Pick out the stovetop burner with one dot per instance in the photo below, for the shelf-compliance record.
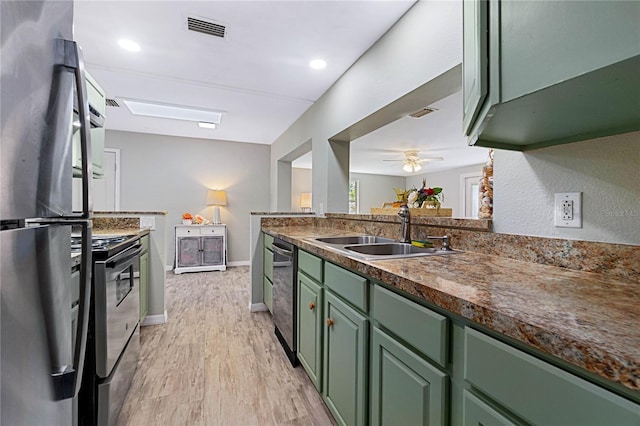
(104, 246)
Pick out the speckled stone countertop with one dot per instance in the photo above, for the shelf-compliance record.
(586, 319)
(121, 231)
(133, 212)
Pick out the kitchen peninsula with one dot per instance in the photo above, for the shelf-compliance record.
(576, 315)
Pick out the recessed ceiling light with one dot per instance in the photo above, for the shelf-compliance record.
(318, 64)
(176, 112)
(129, 45)
(205, 125)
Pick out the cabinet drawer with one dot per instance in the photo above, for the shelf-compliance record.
(187, 230)
(537, 392)
(352, 287)
(420, 327)
(212, 231)
(268, 240)
(310, 265)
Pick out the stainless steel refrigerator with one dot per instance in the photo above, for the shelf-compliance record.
(43, 102)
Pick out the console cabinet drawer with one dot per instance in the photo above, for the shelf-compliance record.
(310, 265)
(420, 327)
(538, 392)
(351, 287)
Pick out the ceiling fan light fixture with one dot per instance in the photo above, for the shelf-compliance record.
(411, 167)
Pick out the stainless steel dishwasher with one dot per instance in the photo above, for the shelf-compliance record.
(284, 296)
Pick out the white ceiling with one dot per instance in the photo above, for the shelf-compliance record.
(258, 75)
(438, 134)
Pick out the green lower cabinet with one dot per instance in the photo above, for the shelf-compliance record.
(405, 389)
(537, 392)
(310, 326)
(144, 285)
(345, 362)
(476, 413)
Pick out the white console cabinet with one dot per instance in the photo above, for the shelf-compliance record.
(201, 248)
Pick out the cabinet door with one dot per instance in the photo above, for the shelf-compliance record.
(345, 361)
(268, 264)
(310, 328)
(188, 251)
(405, 389)
(476, 413)
(475, 75)
(212, 251)
(267, 293)
(144, 285)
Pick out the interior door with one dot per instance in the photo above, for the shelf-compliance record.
(106, 191)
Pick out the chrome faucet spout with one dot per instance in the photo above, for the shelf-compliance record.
(405, 215)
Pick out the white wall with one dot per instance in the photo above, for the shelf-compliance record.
(449, 181)
(300, 182)
(376, 189)
(605, 170)
(174, 173)
(423, 44)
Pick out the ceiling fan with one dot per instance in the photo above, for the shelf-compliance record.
(412, 161)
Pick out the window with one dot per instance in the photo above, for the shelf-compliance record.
(354, 197)
(469, 187)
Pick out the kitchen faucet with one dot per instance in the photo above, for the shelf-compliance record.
(405, 215)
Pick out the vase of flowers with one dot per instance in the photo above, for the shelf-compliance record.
(425, 197)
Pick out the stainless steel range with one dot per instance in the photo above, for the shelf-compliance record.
(113, 341)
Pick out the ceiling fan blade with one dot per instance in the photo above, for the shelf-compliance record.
(430, 159)
(393, 160)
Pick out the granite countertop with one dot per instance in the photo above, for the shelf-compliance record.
(133, 212)
(586, 319)
(121, 231)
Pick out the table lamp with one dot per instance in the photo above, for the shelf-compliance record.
(216, 197)
(305, 201)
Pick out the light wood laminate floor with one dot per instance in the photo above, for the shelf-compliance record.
(215, 363)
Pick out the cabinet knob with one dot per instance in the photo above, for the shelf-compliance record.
(312, 306)
(329, 322)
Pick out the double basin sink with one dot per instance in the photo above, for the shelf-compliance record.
(371, 247)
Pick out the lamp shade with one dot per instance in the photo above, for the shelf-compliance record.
(216, 197)
(305, 200)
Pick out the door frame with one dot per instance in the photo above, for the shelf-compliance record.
(116, 182)
(463, 190)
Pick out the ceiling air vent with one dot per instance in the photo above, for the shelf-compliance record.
(422, 112)
(206, 27)
(112, 103)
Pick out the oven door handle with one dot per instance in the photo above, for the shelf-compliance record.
(121, 260)
(281, 251)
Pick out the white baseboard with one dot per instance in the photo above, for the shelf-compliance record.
(230, 264)
(154, 319)
(257, 307)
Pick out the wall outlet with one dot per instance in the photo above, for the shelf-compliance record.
(568, 210)
(148, 222)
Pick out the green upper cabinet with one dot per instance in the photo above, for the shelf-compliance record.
(97, 101)
(345, 362)
(538, 73)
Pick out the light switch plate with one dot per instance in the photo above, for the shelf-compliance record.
(568, 210)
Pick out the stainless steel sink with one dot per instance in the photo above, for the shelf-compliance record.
(359, 239)
(395, 250)
(370, 247)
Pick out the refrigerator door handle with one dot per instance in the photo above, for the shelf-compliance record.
(72, 58)
(67, 380)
